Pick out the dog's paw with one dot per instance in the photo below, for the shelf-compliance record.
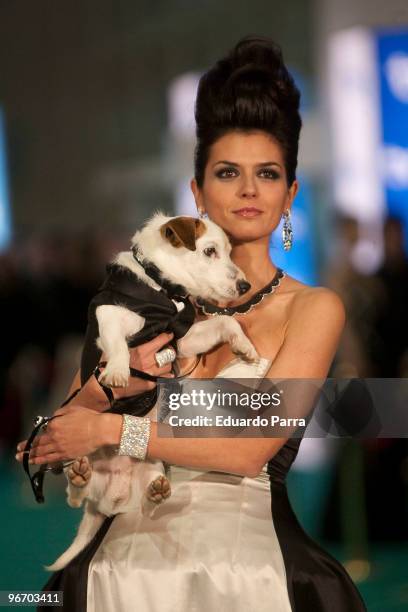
(159, 489)
(240, 345)
(115, 375)
(80, 472)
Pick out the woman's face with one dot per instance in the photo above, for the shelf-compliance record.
(245, 188)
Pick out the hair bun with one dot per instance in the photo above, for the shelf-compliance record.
(249, 71)
(249, 80)
(256, 65)
(258, 51)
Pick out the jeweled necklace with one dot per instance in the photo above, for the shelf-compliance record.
(210, 309)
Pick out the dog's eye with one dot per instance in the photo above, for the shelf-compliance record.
(210, 251)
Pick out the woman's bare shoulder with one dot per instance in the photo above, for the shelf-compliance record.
(307, 297)
(313, 325)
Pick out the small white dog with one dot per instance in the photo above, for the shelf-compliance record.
(185, 256)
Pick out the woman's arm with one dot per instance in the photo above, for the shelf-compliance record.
(316, 323)
(313, 333)
(89, 396)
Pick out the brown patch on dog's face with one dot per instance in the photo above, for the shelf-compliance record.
(183, 231)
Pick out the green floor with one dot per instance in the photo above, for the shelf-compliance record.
(33, 535)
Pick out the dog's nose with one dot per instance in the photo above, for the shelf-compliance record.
(243, 286)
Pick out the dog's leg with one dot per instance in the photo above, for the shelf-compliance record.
(204, 335)
(116, 323)
(159, 489)
(153, 486)
(78, 475)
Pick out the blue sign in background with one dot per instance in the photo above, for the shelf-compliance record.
(392, 52)
(5, 222)
(300, 260)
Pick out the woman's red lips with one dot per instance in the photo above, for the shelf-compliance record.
(248, 211)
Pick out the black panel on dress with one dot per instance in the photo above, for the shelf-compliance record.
(73, 578)
(316, 581)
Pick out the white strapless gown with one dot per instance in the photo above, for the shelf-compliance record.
(220, 543)
(211, 547)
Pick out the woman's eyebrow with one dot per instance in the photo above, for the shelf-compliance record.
(260, 165)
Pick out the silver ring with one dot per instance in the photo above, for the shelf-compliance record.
(167, 355)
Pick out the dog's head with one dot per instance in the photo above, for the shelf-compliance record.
(195, 253)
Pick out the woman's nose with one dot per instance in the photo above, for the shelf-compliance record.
(248, 188)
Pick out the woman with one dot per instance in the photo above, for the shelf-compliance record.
(227, 538)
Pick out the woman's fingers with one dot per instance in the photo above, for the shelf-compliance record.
(164, 371)
(143, 357)
(21, 445)
(153, 346)
(75, 434)
(42, 453)
(43, 439)
(19, 456)
(45, 435)
(50, 457)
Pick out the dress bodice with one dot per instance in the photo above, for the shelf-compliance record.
(239, 368)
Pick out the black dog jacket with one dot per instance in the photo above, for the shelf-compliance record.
(124, 288)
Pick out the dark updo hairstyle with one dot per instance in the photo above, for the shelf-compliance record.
(249, 89)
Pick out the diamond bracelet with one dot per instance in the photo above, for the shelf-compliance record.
(135, 436)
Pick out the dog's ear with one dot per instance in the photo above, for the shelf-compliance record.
(183, 231)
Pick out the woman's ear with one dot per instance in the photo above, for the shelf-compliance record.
(293, 189)
(196, 193)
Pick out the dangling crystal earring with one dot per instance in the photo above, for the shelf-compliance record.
(202, 215)
(287, 233)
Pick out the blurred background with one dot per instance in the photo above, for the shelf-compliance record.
(97, 132)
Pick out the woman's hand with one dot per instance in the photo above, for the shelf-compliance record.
(81, 428)
(77, 431)
(142, 357)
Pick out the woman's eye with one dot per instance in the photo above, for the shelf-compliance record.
(270, 174)
(226, 173)
(209, 251)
